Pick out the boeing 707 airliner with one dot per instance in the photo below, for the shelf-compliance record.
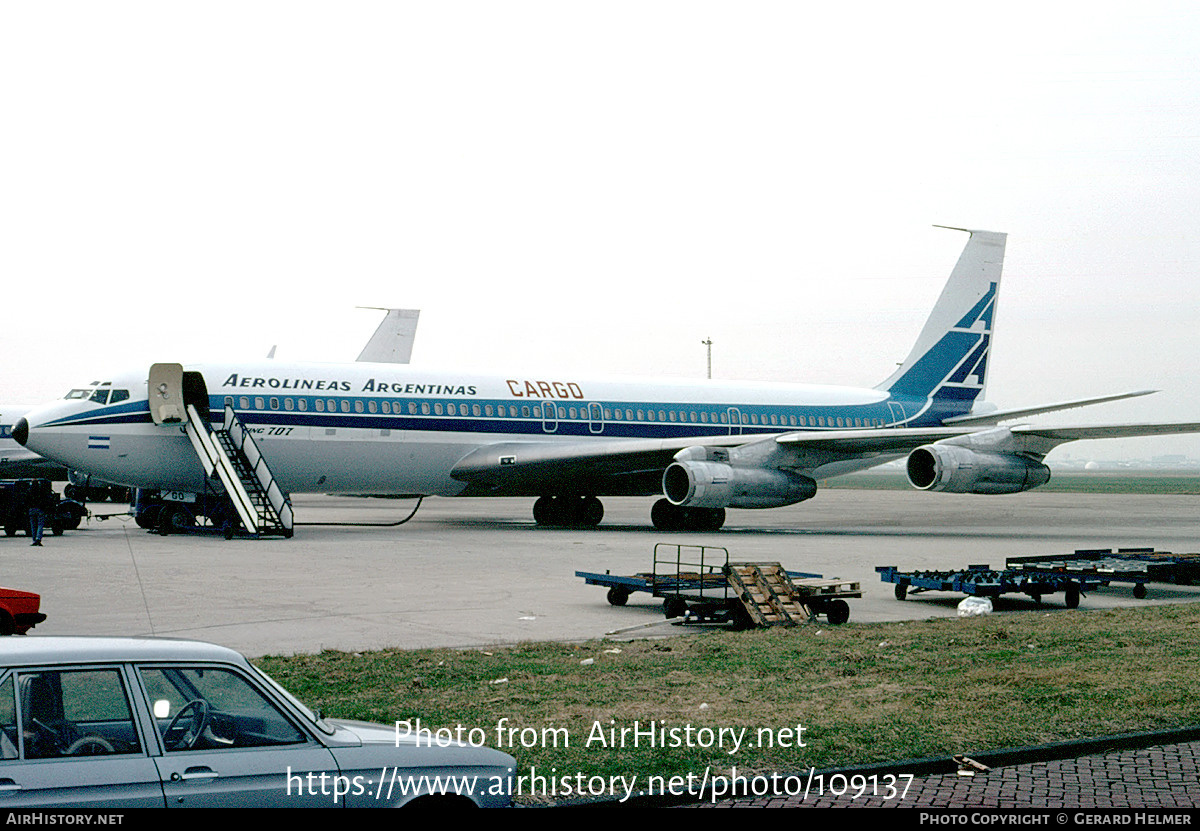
(566, 441)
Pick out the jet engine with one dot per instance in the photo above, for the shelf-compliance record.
(702, 484)
(954, 469)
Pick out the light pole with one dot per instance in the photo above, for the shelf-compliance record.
(708, 342)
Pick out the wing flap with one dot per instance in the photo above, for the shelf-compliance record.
(862, 442)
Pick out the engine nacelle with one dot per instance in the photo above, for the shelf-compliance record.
(954, 469)
(695, 484)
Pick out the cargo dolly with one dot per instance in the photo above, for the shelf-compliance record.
(984, 581)
(699, 584)
(1138, 566)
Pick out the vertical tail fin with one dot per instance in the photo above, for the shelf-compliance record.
(947, 366)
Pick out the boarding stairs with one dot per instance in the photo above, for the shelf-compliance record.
(231, 453)
(767, 592)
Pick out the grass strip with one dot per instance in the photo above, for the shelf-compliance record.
(861, 692)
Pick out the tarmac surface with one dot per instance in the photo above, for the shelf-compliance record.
(478, 572)
(469, 573)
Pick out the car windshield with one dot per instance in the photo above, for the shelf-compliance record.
(313, 717)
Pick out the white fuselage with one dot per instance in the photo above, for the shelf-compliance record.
(383, 428)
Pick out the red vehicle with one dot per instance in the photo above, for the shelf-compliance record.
(19, 611)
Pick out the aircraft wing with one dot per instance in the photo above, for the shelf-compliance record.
(1027, 438)
(634, 467)
(522, 468)
(989, 419)
(1044, 439)
(822, 448)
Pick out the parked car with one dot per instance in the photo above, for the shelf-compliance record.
(17, 496)
(19, 611)
(144, 722)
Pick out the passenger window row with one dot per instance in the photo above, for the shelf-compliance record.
(560, 412)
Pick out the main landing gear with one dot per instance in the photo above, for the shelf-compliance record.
(568, 511)
(668, 517)
(579, 511)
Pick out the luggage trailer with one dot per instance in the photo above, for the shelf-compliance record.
(700, 585)
(984, 581)
(1073, 574)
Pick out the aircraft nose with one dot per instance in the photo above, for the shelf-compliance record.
(20, 431)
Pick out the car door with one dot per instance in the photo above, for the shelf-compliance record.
(68, 739)
(227, 743)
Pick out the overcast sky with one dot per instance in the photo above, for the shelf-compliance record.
(594, 188)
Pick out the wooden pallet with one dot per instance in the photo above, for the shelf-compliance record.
(768, 594)
(820, 587)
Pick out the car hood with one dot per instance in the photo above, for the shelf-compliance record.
(380, 741)
(365, 732)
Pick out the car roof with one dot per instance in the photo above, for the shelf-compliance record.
(38, 649)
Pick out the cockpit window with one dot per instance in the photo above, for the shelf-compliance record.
(98, 394)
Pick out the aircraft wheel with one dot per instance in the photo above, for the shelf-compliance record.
(669, 517)
(665, 516)
(591, 511)
(547, 512)
(712, 519)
